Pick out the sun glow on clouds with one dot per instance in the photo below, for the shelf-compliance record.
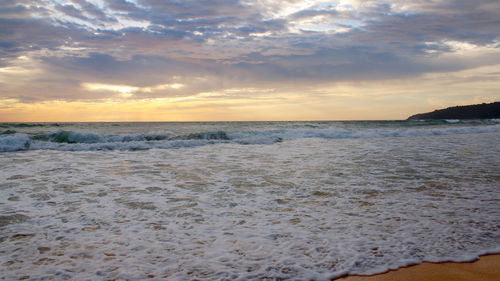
(466, 48)
(346, 100)
(128, 91)
(108, 87)
(19, 71)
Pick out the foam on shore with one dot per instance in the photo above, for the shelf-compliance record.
(305, 208)
(486, 268)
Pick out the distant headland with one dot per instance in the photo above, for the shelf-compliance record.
(477, 111)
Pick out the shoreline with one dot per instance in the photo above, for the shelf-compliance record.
(484, 268)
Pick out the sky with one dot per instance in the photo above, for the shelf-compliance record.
(230, 60)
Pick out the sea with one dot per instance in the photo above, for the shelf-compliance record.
(244, 200)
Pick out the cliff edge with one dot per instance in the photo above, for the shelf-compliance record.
(477, 111)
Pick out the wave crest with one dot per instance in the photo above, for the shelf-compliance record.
(76, 140)
(14, 142)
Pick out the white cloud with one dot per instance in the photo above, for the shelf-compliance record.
(127, 90)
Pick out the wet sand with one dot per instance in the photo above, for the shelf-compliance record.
(487, 268)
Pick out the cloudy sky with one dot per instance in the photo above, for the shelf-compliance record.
(174, 60)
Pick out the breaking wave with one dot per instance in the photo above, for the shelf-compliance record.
(11, 140)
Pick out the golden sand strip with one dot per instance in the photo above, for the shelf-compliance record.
(487, 268)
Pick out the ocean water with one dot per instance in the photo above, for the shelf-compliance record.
(244, 200)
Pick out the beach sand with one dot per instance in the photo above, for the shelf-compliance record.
(487, 268)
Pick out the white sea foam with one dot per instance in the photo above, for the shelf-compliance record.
(314, 206)
(14, 142)
(81, 141)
